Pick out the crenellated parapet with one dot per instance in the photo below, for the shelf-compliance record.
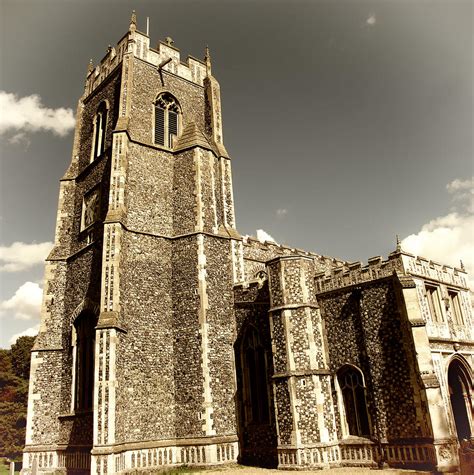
(137, 44)
(256, 254)
(356, 273)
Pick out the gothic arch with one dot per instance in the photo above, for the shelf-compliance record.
(83, 323)
(86, 305)
(459, 379)
(351, 386)
(167, 119)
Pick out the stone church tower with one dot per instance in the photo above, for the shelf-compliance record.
(137, 330)
(168, 339)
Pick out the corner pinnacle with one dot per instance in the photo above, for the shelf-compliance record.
(90, 67)
(399, 244)
(207, 59)
(133, 21)
(462, 265)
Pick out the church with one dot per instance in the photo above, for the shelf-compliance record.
(169, 339)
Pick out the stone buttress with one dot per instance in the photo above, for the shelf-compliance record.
(301, 380)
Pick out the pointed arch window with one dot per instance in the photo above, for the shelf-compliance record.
(167, 120)
(100, 129)
(351, 383)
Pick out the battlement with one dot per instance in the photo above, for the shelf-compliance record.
(356, 273)
(165, 56)
(275, 250)
(397, 262)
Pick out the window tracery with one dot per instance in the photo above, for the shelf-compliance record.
(167, 119)
(351, 383)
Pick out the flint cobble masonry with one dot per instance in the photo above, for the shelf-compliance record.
(169, 339)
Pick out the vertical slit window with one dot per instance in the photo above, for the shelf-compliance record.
(100, 129)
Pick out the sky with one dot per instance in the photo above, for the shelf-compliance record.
(348, 122)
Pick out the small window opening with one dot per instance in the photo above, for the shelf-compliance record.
(100, 129)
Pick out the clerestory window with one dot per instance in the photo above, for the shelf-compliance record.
(100, 129)
(167, 120)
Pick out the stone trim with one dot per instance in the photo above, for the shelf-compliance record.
(293, 306)
(159, 457)
(178, 442)
(143, 233)
(307, 372)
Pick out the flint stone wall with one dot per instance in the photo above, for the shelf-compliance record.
(364, 328)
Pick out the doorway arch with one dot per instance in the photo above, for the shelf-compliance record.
(460, 394)
(256, 424)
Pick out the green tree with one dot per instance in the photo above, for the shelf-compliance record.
(21, 356)
(14, 374)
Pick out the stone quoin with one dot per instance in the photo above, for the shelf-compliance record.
(168, 339)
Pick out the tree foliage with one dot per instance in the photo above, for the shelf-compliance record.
(14, 374)
(21, 356)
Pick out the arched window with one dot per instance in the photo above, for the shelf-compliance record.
(167, 119)
(351, 382)
(84, 328)
(460, 395)
(100, 128)
(255, 391)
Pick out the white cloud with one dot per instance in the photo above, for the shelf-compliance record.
(21, 256)
(449, 239)
(263, 236)
(458, 184)
(372, 20)
(25, 304)
(28, 114)
(462, 192)
(32, 331)
(280, 212)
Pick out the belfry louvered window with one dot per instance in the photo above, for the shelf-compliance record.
(100, 128)
(167, 120)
